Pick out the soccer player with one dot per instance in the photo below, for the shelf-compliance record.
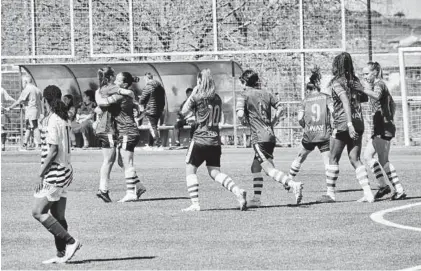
(315, 116)
(5, 97)
(31, 96)
(56, 175)
(383, 130)
(181, 121)
(153, 102)
(348, 125)
(105, 131)
(254, 108)
(128, 133)
(206, 142)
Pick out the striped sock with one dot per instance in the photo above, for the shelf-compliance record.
(376, 168)
(294, 169)
(257, 185)
(332, 173)
(193, 188)
(279, 176)
(362, 177)
(227, 182)
(131, 180)
(393, 177)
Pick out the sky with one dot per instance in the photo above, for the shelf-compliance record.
(411, 8)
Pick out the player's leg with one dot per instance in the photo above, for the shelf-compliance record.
(27, 134)
(177, 126)
(337, 146)
(301, 157)
(85, 126)
(264, 154)
(256, 171)
(377, 170)
(354, 154)
(213, 164)
(153, 129)
(44, 199)
(382, 147)
(58, 210)
(109, 156)
(194, 158)
(3, 140)
(37, 133)
(134, 189)
(324, 148)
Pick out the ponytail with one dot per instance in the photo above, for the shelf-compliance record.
(53, 96)
(375, 66)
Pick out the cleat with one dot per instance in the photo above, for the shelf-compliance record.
(129, 197)
(104, 196)
(242, 199)
(326, 199)
(192, 208)
(398, 196)
(53, 260)
(70, 251)
(367, 198)
(382, 192)
(147, 148)
(297, 188)
(254, 203)
(140, 192)
(177, 144)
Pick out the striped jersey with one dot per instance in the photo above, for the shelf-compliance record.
(257, 106)
(355, 97)
(125, 122)
(56, 131)
(383, 111)
(208, 113)
(316, 107)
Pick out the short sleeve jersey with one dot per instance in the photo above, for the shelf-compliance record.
(340, 87)
(257, 105)
(32, 97)
(317, 117)
(125, 122)
(208, 113)
(383, 111)
(56, 131)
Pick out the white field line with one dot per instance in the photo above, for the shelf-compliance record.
(378, 217)
(414, 268)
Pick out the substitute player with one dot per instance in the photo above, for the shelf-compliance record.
(206, 143)
(254, 108)
(383, 130)
(56, 175)
(315, 116)
(128, 133)
(348, 124)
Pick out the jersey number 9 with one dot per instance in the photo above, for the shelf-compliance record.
(315, 109)
(214, 115)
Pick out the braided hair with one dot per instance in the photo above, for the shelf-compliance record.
(315, 78)
(342, 68)
(52, 94)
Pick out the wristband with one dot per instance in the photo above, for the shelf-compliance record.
(349, 124)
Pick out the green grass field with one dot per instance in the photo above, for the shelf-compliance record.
(155, 234)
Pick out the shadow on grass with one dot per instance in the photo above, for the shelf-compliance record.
(155, 199)
(113, 259)
(349, 190)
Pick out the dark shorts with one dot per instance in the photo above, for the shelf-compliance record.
(344, 137)
(107, 140)
(31, 124)
(128, 142)
(263, 151)
(197, 154)
(322, 146)
(387, 138)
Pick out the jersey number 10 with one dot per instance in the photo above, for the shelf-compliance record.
(214, 115)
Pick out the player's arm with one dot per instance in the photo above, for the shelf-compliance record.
(113, 99)
(188, 106)
(23, 96)
(146, 94)
(374, 92)
(276, 103)
(330, 109)
(241, 108)
(341, 92)
(301, 116)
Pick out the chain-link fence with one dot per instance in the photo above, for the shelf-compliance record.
(280, 39)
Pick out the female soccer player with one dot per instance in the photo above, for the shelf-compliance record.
(383, 130)
(56, 175)
(348, 124)
(206, 143)
(128, 133)
(254, 107)
(315, 117)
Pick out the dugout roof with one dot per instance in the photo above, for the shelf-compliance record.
(74, 78)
